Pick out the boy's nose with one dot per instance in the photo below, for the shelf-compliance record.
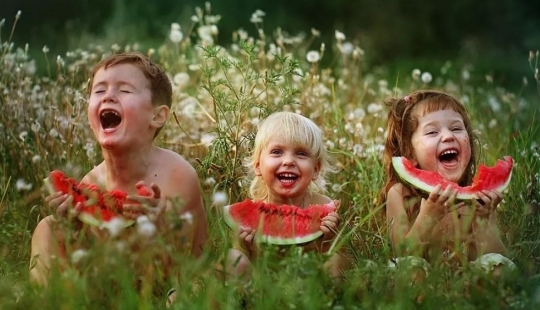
(109, 96)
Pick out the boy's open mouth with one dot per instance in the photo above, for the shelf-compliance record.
(287, 177)
(109, 119)
(449, 156)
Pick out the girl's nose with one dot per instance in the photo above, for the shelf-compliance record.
(288, 160)
(447, 135)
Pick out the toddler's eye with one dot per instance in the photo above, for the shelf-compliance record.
(125, 91)
(457, 129)
(302, 153)
(275, 151)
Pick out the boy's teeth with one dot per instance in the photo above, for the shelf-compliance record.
(449, 152)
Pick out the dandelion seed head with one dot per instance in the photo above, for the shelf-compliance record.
(426, 77)
(337, 188)
(45, 49)
(114, 226)
(313, 56)
(53, 133)
(23, 135)
(340, 36)
(374, 108)
(181, 79)
(220, 198)
(347, 48)
(188, 217)
(210, 181)
(146, 229)
(21, 185)
(78, 255)
(492, 123)
(36, 159)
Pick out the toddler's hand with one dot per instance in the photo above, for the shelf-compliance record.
(247, 236)
(438, 204)
(61, 207)
(330, 225)
(487, 203)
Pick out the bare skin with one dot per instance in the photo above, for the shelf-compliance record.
(130, 160)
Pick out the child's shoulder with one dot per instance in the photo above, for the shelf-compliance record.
(171, 159)
(320, 199)
(399, 189)
(96, 175)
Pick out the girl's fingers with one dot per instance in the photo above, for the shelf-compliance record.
(434, 195)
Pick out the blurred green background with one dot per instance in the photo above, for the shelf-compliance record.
(493, 35)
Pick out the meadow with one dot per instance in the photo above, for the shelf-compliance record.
(220, 94)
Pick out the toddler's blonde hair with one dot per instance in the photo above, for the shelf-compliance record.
(293, 129)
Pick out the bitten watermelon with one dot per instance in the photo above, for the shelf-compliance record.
(282, 225)
(99, 205)
(494, 178)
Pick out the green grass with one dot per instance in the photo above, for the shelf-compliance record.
(43, 127)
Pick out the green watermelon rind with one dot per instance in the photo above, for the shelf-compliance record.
(270, 239)
(465, 193)
(84, 216)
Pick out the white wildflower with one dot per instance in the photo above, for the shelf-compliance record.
(340, 36)
(357, 149)
(210, 181)
(465, 74)
(187, 216)
(207, 139)
(220, 198)
(373, 108)
(492, 124)
(36, 159)
(347, 48)
(313, 56)
(35, 126)
(176, 34)
(315, 32)
(115, 226)
(181, 79)
(21, 185)
(23, 135)
(53, 133)
(426, 77)
(336, 188)
(45, 49)
(78, 255)
(145, 228)
(416, 74)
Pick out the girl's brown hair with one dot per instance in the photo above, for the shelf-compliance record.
(402, 123)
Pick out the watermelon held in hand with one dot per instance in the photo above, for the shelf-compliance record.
(99, 206)
(494, 178)
(282, 225)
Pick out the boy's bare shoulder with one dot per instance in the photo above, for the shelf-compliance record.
(96, 175)
(173, 160)
(398, 189)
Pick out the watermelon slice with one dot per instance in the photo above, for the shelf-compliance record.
(99, 206)
(282, 225)
(494, 178)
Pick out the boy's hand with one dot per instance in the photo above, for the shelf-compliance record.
(61, 207)
(151, 204)
(487, 203)
(438, 204)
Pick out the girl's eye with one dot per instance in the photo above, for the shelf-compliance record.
(302, 153)
(277, 152)
(457, 129)
(99, 91)
(430, 133)
(125, 91)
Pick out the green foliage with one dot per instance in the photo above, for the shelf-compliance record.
(220, 94)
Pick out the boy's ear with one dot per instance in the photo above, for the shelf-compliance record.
(161, 114)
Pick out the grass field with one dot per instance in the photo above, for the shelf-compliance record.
(220, 93)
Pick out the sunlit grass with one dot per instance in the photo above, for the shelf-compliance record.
(220, 94)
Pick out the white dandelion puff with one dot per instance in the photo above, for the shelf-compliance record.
(426, 77)
(416, 74)
(340, 36)
(220, 198)
(114, 226)
(146, 229)
(21, 185)
(78, 255)
(36, 159)
(188, 217)
(313, 56)
(181, 79)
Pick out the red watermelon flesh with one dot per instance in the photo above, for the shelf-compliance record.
(282, 225)
(99, 205)
(494, 178)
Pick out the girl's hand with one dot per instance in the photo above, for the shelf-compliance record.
(247, 236)
(61, 207)
(487, 203)
(151, 203)
(437, 205)
(330, 223)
